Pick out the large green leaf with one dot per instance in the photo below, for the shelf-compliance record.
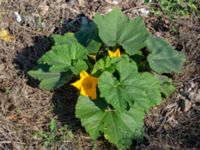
(57, 66)
(50, 79)
(66, 39)
(88, 37)
(163, 57)
(63, 57)
(130, 88)
(78, 66)
(166, 85)
(116, 29)
(118, 128)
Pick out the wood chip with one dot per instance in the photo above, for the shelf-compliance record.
(2, 67)
(43, 9)
(12, 117)
(81, 2)
(185, 105)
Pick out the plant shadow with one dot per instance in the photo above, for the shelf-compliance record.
(27, 58)
(64, 102)
(63, 99)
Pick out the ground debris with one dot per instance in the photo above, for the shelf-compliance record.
(25, 108)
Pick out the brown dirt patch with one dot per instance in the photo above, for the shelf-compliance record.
(24, 108)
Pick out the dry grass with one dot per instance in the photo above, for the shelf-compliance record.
(25, 109)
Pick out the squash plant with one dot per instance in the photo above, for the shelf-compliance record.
(119, 68)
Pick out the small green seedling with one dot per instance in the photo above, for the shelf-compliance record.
(173, 8)
(54, 135)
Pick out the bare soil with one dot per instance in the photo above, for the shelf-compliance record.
(25, 109)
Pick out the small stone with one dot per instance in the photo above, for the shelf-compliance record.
(72, 2)
(81, 2)
(43, 9)
(192, 95)
(35, 128)
(185, 105)
(197, 97)
(58, 1)
(109, 10)
(18, 17)
(2, 67)
(115, 2)
(143, 12)
(172, 121)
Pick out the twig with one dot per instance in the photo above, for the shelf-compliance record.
(31, 31)
(76, 12)
(5, 142)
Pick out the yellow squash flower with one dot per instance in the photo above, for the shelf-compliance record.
(4, 35)
(87, 85)
(112, 54)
